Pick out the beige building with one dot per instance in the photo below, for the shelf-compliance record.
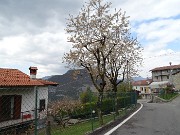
(162, 76)
(176, 80)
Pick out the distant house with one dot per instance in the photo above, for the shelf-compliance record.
(142, 86)
(18, 95)
(176, 80)
(163, 76)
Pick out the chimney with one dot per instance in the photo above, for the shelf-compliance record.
(33, 72)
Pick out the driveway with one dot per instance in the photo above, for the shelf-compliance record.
(154, 119)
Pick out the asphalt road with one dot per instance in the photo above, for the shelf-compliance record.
(154, 119)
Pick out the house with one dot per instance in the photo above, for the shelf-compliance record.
(176, 80)
(142, 87)
(166, 75)
(22, 97)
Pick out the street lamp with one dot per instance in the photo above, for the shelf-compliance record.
(93, 112)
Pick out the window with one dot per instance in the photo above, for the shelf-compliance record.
(167, 77)
(10, 107)
(42, 105)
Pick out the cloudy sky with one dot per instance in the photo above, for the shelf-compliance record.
(32, 32)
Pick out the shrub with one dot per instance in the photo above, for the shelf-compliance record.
(108, 105)
(87, 96)
(75, 109)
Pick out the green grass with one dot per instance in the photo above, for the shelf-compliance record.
(82, 128)
(168, 96)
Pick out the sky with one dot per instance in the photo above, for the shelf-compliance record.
(32, 32)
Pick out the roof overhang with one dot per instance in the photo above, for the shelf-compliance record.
(162, 84)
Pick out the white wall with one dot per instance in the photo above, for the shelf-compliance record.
(142, 89)
(43, 94)
(136, 88)
(28, 97)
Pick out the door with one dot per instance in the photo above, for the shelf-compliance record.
(10, 107)
(6, 107)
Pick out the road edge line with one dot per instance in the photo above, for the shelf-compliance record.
(124, 121)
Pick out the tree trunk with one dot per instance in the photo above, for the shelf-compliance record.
(115, 100)
(48, 128)
(99, 108)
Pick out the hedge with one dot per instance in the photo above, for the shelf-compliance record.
(108, 106)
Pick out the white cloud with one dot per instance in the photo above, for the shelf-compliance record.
(165, 30)
(141, 10)
(32, 33)
(161, 59)
(44, 50)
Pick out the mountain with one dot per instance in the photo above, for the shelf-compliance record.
(70, 85)
(138, 78)
(46, 77)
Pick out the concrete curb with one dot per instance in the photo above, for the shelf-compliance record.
(110, 125)
(124, 121)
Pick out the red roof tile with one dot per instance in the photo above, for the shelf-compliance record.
(45, 82)
(142, 82)
(14, 77)
(166, 68)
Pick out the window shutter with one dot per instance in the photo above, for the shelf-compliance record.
(17, 106)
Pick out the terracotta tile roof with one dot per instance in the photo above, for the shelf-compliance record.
(166, 68)
(14, 77)
(142, 82)
(45, 82)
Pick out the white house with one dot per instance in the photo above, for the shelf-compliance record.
(142, 86)
(22, 97)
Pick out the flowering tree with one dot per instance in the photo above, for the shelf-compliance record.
(62, 109)
(100, 39)
(123, 62)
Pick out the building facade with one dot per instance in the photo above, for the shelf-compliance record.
(162, 76)
(22, 98)
(142, 86)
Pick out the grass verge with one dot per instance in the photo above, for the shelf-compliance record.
(168, 96)
(83, 128)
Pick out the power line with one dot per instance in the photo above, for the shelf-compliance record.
(166, 54)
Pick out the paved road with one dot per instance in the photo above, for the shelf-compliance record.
(154, 119)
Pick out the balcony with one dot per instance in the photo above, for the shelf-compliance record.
(25, 117)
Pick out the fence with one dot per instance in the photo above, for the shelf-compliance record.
(27, 111)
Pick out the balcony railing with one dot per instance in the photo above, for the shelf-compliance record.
(25, 117)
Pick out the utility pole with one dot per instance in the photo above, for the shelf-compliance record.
(171, 70)
(128, 79)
